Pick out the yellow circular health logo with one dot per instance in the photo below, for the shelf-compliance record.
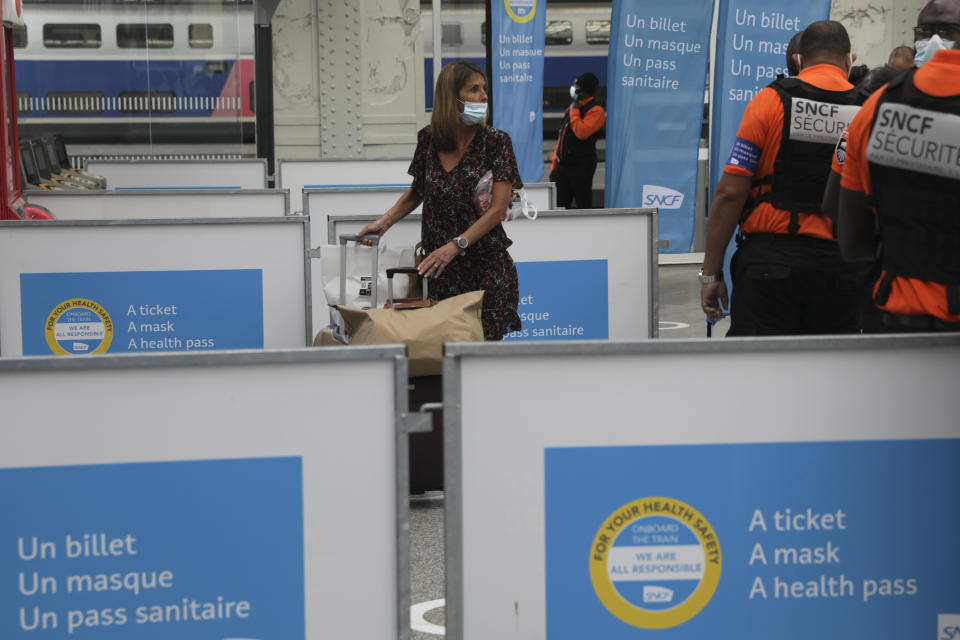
(521, 11)
(655, 563)
(78, 326)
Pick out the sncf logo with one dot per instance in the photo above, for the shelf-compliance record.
(948, 626)
(657, 594)
(662, 197)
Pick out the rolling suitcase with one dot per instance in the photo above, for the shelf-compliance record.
(425, 461)
(426, 449)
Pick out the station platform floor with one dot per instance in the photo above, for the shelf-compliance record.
(680, 314)
(680, 317)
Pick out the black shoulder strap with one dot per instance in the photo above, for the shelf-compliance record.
(786, 83)
(894, 91)
(899, 79)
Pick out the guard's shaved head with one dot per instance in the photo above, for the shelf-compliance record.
(939, 12)
(826, 37)
(901, 58)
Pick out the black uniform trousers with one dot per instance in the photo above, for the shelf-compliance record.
(575, 183)
(899, 323)
(794, 284)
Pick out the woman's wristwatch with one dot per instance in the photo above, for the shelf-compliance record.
(717, 277)
(461, 243)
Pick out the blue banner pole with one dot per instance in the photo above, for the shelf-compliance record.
(752, 38)
(657, 69)
(516, 77)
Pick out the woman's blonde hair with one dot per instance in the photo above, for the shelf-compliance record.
(445, 121)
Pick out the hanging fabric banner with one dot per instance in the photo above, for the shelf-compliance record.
(517, 79)
(657, 69)
(752, 39)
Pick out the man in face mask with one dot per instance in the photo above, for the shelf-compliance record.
(575, 156)
(938, 27)
(901, 193)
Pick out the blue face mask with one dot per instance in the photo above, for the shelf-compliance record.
(926, 48)
(573, 92)
(473, 112)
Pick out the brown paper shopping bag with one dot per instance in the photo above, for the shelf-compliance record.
(424, 331)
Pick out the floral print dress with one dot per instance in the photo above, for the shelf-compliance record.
(448, 211)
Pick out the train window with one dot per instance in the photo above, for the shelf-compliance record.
(71, 36)
(598, 32)
(559, 32)
(556, 98)
(75, 102)
(451, 34)
(19, 36)
(148, 102)
(23, 103)
(201, 36)
(143, 36)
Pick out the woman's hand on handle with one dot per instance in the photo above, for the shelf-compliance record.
(378, 227)
(407, 203)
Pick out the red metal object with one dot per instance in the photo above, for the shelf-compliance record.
(12, 205)
(36, 212)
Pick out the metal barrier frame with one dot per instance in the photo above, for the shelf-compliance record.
(146, 164)
(654, 280)
(36, 196)
(396, 353)
(301, 220)
(452, 399)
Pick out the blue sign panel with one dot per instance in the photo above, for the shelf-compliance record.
(792, 541)
(563, 300)
(141, 311)
(518, 28)
(752, 38)
(657, 70)
(151, 551)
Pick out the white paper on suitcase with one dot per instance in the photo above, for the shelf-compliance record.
(359, 276)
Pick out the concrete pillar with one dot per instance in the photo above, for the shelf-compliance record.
(296, 67)
(348, 78)
(393, 106)
(877, 26)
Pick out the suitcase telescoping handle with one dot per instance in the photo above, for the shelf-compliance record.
(375, 241)
(410, 270)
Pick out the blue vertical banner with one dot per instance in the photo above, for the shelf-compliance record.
(657, 70)
(752, 39)
(517, 28)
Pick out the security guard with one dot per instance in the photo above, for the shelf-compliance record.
(788, 274)
(793, 67)
(575, 156)
(902, 179)
(938, 27)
